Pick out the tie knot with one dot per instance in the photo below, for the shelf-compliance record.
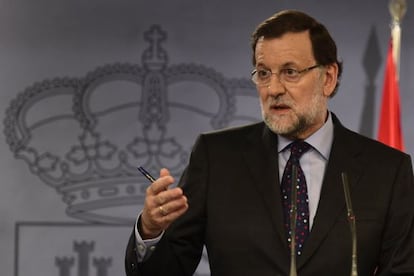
(299, 147)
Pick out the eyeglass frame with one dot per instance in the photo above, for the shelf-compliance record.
(299, 73)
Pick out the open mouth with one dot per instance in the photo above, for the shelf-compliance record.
(279, 107)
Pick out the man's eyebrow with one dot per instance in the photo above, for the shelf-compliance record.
(289, 64)
(261, 64)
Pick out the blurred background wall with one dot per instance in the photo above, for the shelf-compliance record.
(92, 89)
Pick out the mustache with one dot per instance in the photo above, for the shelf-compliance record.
(279, 101)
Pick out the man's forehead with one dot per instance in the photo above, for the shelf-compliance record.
(305, 35)
(298, 41)
(288, 44)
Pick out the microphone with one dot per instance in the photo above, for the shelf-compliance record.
(352, 224)
(293, 213)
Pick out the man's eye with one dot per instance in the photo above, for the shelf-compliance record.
(289, 72)
(263, 74)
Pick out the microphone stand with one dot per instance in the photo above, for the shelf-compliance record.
(352, 224)
(293, 213)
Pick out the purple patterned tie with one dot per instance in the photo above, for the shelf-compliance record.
(297, 148)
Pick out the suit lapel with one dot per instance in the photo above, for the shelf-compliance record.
(332, 201)
(261, 157)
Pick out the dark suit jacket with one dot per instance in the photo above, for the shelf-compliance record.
(232, 185)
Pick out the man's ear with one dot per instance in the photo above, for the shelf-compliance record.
(331, 79)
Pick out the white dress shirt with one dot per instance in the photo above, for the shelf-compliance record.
(313, 162)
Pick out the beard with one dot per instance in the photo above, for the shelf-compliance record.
(289, 127)
(299, 120)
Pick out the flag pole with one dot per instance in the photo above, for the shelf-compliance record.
(390, 131)
(397, 9)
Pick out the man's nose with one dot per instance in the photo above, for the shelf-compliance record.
(275, 86)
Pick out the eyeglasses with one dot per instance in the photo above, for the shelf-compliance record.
(262, 76)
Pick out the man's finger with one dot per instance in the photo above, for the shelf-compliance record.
(173, 206)
(161, 184)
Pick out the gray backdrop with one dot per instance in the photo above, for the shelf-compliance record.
(91, 89)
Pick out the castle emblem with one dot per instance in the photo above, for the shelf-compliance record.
(85, 136)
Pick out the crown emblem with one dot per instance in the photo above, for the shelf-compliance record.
(85, 136)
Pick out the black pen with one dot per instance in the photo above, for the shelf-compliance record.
(146, 174)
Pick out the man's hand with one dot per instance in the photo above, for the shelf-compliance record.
(162, 206)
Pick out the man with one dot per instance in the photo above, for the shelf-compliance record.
(233, 197)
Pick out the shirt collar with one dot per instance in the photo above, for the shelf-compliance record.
(321, 140)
